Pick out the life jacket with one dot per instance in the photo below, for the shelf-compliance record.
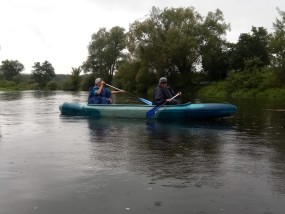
(102, 98)
(161, 94)
(168, 92)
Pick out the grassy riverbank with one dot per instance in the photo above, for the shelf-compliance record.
(260, 84)
(248, 84)
(25, 82)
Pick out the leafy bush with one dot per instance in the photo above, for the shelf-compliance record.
(215, 90)
(7, 84)
(246, 84)
(243, 81)
(17, 79)
(272, 93)
(52, 85)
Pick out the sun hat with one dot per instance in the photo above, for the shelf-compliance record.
(162, 80)
(98, 80)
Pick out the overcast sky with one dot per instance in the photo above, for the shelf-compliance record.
(60, 30)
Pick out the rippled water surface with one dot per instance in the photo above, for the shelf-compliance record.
(56, 164)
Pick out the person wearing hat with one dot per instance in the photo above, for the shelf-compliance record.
(99, 94)
(163, 94)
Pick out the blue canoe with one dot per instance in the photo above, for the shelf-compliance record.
(185, 111)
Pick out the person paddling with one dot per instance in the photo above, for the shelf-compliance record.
(163, 94)
(99, 94)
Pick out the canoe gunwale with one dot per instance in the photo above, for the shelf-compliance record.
(184, 111)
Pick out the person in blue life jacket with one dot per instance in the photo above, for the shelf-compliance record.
(162, 93)
(99, 94)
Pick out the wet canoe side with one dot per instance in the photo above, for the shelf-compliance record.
(174, 112)
(207, 110)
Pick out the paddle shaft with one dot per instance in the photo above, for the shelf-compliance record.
(152, 111)
(141, 99)
(170, 100)
(121, 90)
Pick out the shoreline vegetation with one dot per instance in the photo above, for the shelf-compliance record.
(189, 49)
(258, 84)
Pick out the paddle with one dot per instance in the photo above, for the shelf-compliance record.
(141, 99)
(152, 111)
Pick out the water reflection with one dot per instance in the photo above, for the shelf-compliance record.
(47, 160)
(10, 96)
(205, 153)
(179, 152)
(260, 125)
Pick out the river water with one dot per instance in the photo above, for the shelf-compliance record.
(51, 163)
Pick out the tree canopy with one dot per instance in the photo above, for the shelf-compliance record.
(174, 42)
(178, 43)
(104, 52)
(252, 50)
(11, 68)
(43, 73)
(278, 46)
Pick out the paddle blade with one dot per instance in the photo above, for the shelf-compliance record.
(145, 101)
(151, 112)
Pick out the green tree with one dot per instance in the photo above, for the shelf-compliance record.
(126, 75)
(172, 42)
(87, 81)
(167, 42)
(11, 68)
(214, 49)
(74, 81)
(104, 52)
(278, 46)
(43, 73)
(252, 50)
(52, 85)
(76, 78)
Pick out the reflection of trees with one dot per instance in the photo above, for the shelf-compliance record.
(110, 141)
(196, 153)
(257, 116)
(275, 142)
(180, 153)
(260, 145)
(99, 130)
(185, 153)
(277, 170)
(10, 96)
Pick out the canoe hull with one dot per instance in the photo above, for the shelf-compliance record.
(171, 112)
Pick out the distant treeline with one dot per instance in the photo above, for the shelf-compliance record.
(177, 43)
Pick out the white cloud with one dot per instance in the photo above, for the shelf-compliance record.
(59, 30)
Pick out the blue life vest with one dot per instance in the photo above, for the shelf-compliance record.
(102, 98)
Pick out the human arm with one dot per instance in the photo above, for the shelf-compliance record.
(158, 97)
(171, 93)
(100, 87)
(170, 99)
